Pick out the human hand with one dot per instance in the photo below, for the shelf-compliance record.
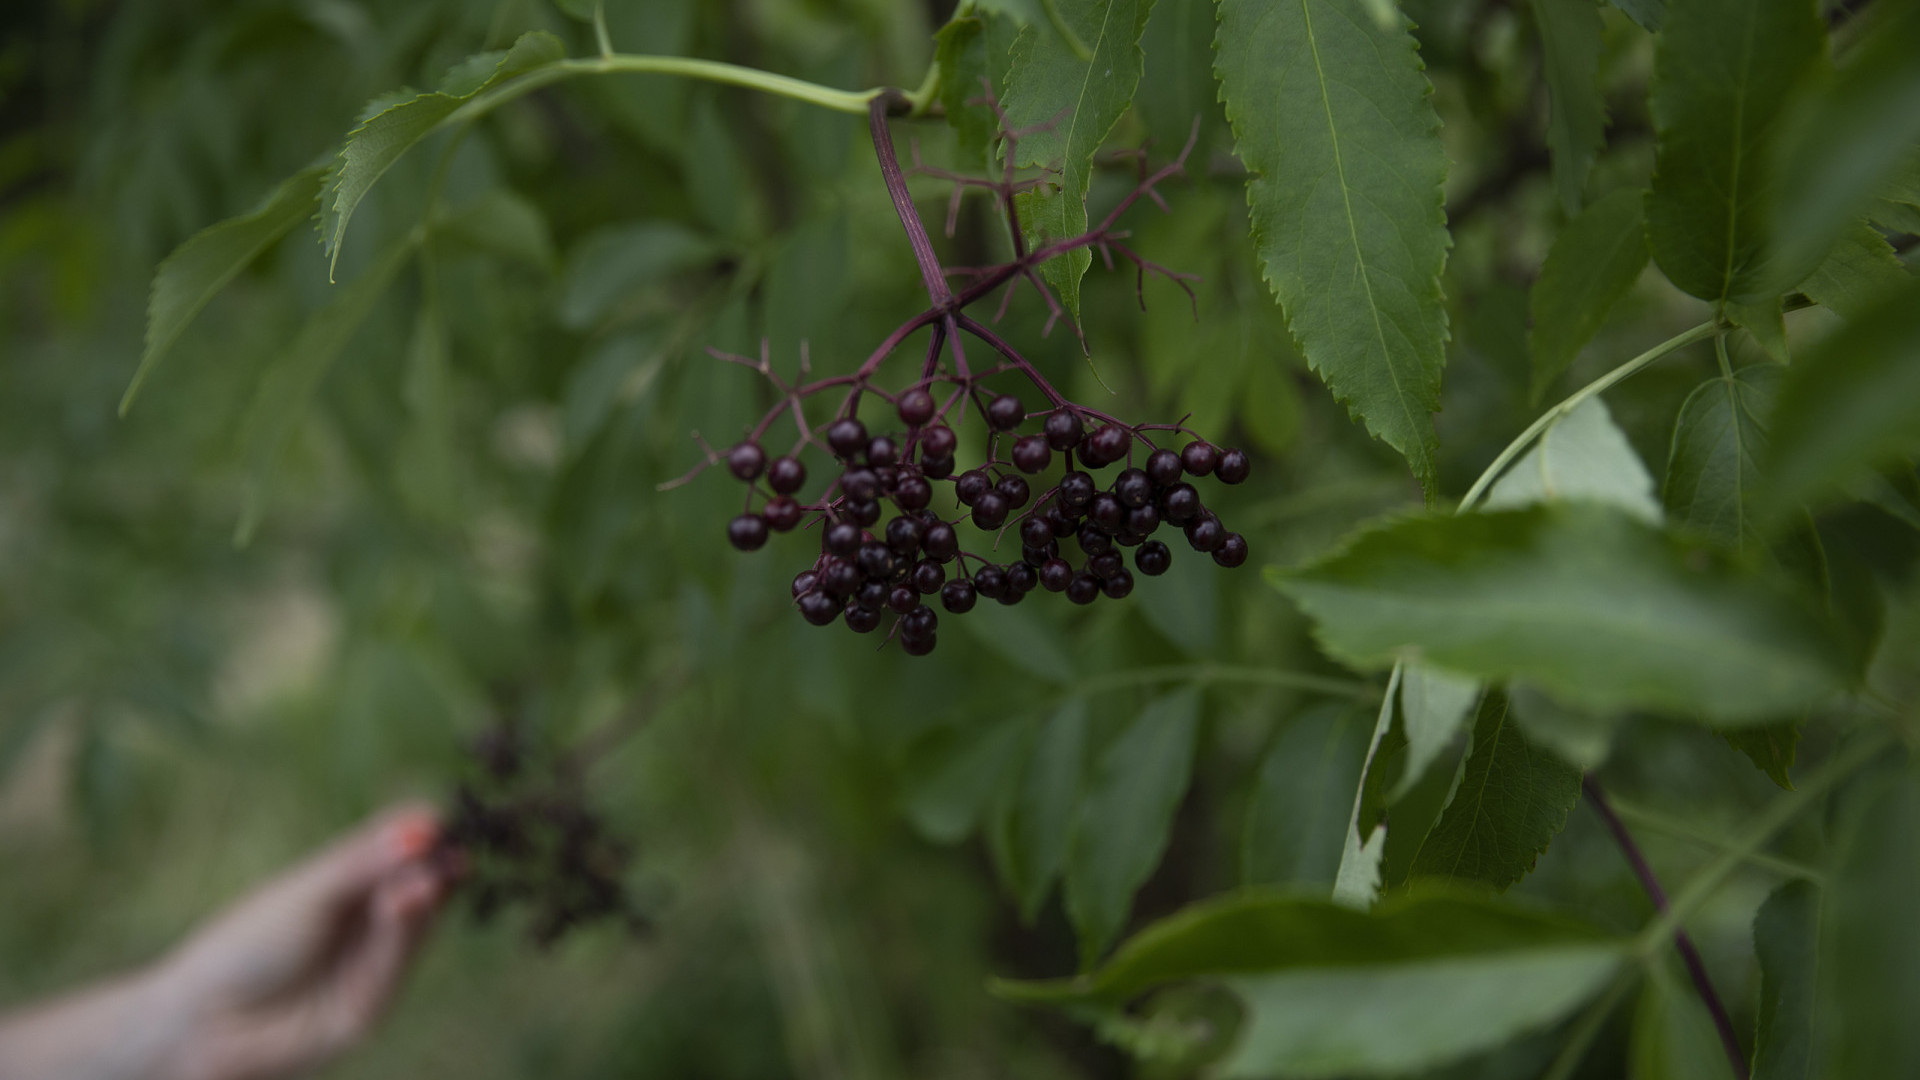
(286, 978)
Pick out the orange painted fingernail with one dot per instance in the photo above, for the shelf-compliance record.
(415, 835)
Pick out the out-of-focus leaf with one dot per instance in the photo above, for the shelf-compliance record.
(1580, 738)
(579, 9)
(1580, 456)
(1082, 97)
(1042, 814)
(1332, 118)
(1183, 603)
(1871, 950)
(1434, 705)
(1023, 639)
(716, 175)
(1713, 471)
(974, 52)
(1301, 798)
(502, 223)
(1648, 13)
(612, 263)
(1597, 608)
(1786, 933)
(1765, 321)
(1511, 802)
(1570, 32)
(1421, 980)
(1723, 69)
(381, 139)
(1673, 1038)
(1849, 403)
(1592, 264)
(211, 258)
(1860, 271)
(1770, 747)
(952, 777)
(1126, 815)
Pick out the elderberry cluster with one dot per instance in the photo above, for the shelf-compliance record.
(1071, 533)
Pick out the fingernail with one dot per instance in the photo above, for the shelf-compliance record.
(414, 835)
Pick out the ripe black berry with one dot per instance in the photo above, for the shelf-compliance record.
(1133, 488)
(1054, 574)
(972, 484)
(1005, 412)
(939, 441)
(928, 576)
(1031, 453)
(912, 493)
(804, 581)
(1106, 564)
(1036, 533)
(990, 581)
(919, 646)
(1063, 430)
(1094, 540)
(1232, 551)
(958, 596)
(1107, 511)
(862, 619)
(872, 594)
(1153, 558)
(1179, 503)
(874, 560)
(746, 460)
(1233, 467)
(903, 536)
(1010, 597)
(786, 475)
(842, 538)
(839, 577)
(1022, 577)
(1205, 533)
(903, 598)
(864, 513)
(1076, 491)
(1118, 586)
(1014, 490)
(819, 608)
(1034, 556)
(1061, 522)
(1105, 446)
(882, 451)
(990, 510)
(860, 484)
(782, 513)
(1163, 467)
(920, 622)
(1083, 589)
(1199, 458)
(1142, 521)
(916, 407)
(939, 468)
(748, 532)
(940, 541)
(847, 436)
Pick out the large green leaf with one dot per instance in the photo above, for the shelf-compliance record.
(1592, 264)
(1434, 706)
(1722, 71)
(1570, 32)
(381, 139)
(1078, 100)
(1422, 979)
(1301, 798)
(212, 257)
(1126, 815)
(1673, 1037)
(1599, 609)
(1582, 455)
(1849, 403)
(1511, 802)
(1044, 800)
(1871, 948)
(1357, 881)
(1713, 470)
(1771, 748)
(1785, 935)
(1332, 117)
(1860, 270)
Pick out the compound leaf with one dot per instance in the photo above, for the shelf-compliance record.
(1592, 264)
(1332, 116)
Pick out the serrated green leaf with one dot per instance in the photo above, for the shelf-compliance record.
(1723, 69)
(1328, 991)
(1332, 118)
(1043, 807)
(1771, 749)
(1434, 705)
(1126, 815)
(381, 139)
(1860, 271)
(1786, 933)
(199, 268)
(1896, 203)
(1673, 1038)
(1713, 468)
(1583, 455)
(1570, 32)
(960, 49)
(1511, 802)
(1593, 262)
(1870, 940)
(1301, 798)
(1849, 403)
(1599, 609)
(1765, 321)
(1357, 882)
(1081, 98)
(1648, 13)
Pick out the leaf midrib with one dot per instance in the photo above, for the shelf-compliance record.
(1739, 148)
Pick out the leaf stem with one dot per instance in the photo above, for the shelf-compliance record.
(847, 101)
(1643, 818)
(1696, 967)
(600, 35)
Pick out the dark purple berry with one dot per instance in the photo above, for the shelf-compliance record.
(913, 493)
(1179, 503)
(916, 407)
(846, 436)
(1133, 488)
(990, 510)
(957, 596)
(781, 513)
(939, 441)
(928, 576)
(1014, 490)
(972, 484)
(882, 451)
(1054, 574)
(1233, 467)
(904, 535)
(1022, 577)
(746, 460)
(1232, 551)
(1141, 522)
(1005, 412)
(872, 594)
(1035, 556)
(1076, 491)
(1153, 558)
(990, 581)
(786, 475)
(1031, 453)
(1061, 522)
(919, 646)
(804, 581)
(940, 541)
(842, 538)
(864, 513)
(1010, 597)
(874, 560)
(1129, 538)
(1107, 511)
(1036, 533)
(862, 619)
(860, 484)
(1118, 585)
(938, 468)
(1105, 565)
(839, 577)
(819, 608)
(1063, 430)
(748, 532)
(1199, 458)
(1205, 533)
(918, 622)
(1163, 467)
(1094, 540)
(903, 598)
(1083, 589)
(1107, 445)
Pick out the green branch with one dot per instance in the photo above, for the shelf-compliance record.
(846, 101)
